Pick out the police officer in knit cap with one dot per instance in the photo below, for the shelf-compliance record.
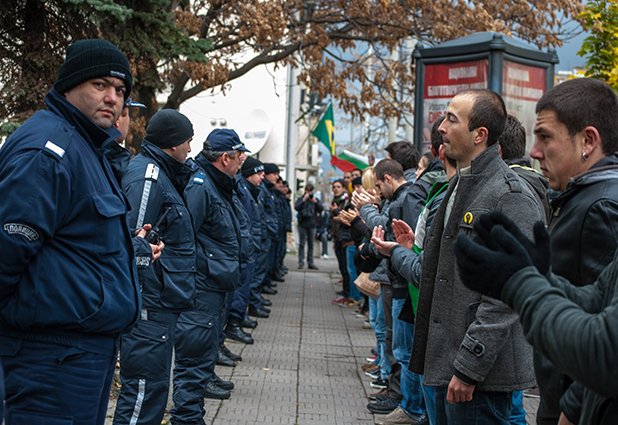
(209, 196)
(154, 184)
(247, 195)
(68, 281)
(274, 219)
(252, 179)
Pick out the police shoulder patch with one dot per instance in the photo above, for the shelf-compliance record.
(199, 178)
(152, 172)
(21, 229)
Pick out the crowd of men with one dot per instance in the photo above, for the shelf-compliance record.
(146, 256)
(492, 277)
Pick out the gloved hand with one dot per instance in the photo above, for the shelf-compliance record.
(486, 269)
(539, 250)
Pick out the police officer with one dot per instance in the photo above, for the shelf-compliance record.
(209, 196)
(117, 155)
(154, 184)
(272, 209)
(247, 195)
(68, 283)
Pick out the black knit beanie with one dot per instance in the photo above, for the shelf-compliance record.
(251, 166)
(94, 58)
(269, 168)
(168, 128)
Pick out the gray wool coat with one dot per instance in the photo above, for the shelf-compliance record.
(457, 330)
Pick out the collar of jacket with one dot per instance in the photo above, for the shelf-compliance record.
(486, 162)
(224, 183)
(253, 189)
(179, 173)
(401, 189)
(603, 170)
(92, 133)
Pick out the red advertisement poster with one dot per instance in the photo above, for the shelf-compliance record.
(522, 87)
(445, 80)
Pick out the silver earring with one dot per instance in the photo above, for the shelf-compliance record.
(585, 156)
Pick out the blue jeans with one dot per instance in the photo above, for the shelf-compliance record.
(55, 384)
(485, 408)
(429, 396)
(410, 382)
(518, 413)
(349, 256)
(380, 331)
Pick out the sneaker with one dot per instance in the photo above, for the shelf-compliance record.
(385, 406)
(380, 384)
(372, 359)
(401, 417)
(325, 256)
(380, 395)
(339, 300)
(300, 266)
(369, 367)
(367, 325)
(373, 374)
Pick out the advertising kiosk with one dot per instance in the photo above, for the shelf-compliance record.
(519, 72)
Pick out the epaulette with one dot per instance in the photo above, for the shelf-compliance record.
(512, 179)
(152, 172)
(57, 145)
(199, 178)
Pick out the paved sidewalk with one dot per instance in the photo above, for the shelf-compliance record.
(304, 368)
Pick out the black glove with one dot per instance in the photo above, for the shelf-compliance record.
(487, 269)
(539, 250)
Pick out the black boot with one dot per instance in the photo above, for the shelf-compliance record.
(258, 312)
(222, 383)
(230, 354)
(234, 331)
(266, 302)
(223, 360)
(268, 290)
(249, 323)
(212, 390)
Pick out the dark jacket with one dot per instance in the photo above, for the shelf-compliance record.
(377, 217)
(308, 211)
(284, 212)
(249, 220)
(459, 331)
(577, 329)
(67, 268)
(267, 198)
(339, 231)
(209, 196)
(584, 236)
(154, 183)
(536, 181)
(118, 157)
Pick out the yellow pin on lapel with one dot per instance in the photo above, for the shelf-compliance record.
(468, 218)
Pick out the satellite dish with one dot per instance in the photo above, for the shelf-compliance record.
(255, 130)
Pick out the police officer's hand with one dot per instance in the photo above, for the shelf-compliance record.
(539, 250)
(487, 265)
(157, 250)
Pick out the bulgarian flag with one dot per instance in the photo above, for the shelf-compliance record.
(325, 130)
(325, 133)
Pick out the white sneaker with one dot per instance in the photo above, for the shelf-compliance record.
(325, 257)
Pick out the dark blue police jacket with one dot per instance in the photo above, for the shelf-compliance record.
(270, 209)
(247, 254)
(154, 183)
(253, 210)
(67, 273)
(209, 198)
